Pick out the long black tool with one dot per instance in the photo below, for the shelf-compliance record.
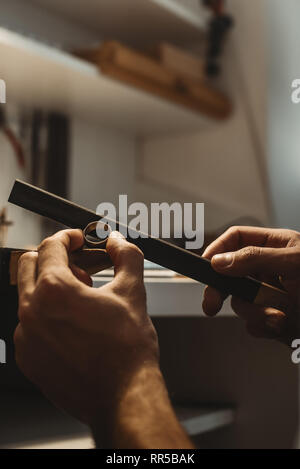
(156, 250)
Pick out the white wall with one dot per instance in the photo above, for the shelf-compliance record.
(102, 166)
(223, 166)
(26, 229)
(102, 161)
(25, 18)
(284, 121)
(284, 116)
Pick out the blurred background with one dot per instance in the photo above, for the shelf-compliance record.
(164, 100)
(117, 136)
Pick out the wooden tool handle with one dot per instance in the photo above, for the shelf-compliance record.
(90, 260)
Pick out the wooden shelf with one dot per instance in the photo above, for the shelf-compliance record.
(135, 21)
(44, 77)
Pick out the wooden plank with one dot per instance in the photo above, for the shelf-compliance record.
(179, 61)
(129, 59)
(50, 79)
(208, 102)
(90, 260)
(135, 69)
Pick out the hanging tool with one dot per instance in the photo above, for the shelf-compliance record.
(219, 27)
(12, 138)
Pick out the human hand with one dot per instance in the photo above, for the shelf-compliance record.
(82, 346)
(269, 255)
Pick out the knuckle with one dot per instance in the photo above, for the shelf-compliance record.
(233, 230)
(48, 280)
(45, 244)
(26, 257)
(249, 252)
(293, 234)
(294, 239)
(51, 283)
(130, 250)
(52, 240)
(61, 236)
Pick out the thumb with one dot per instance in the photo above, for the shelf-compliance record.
(252, 260)
(127, 258)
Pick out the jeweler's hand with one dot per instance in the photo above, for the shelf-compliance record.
(82, 345)
(94, 352)
(268, 255)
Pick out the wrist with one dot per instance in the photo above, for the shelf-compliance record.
(142, 417)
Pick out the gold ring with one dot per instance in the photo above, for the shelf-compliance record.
(94, 227)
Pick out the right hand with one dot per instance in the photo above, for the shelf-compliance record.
(269, 255)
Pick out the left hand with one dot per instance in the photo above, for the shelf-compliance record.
(83, 346)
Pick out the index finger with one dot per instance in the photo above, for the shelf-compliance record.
(238, 237)
(54, 251)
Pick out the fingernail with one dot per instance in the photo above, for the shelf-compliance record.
(223, 261)
(116, 234)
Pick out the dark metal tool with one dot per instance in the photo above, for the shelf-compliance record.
(156, 250)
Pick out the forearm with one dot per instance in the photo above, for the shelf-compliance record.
(144, 417)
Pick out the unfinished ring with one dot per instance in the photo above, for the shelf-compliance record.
(92, 227)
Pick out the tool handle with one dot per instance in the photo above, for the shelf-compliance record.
(90, 260)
